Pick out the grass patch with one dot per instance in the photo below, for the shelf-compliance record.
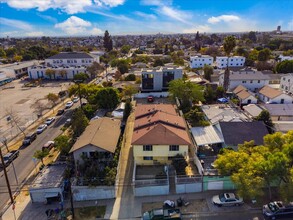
(89, 213)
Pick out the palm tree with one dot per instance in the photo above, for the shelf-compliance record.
(63, 73)
(50, 73)
(229, 44)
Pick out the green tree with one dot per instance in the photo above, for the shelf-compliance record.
(130, 77)
(196, 117)
(186, 91)
(264, 55)
(95, 69)
(79, 122)
(81, 77)
(53, 98)
(127, 110)
(229, 44)
(252, 36)
(209, 94)
(41, 154)
(266, 118)
(158, 62)
(107, 98)
(63, 73)
(50, 73)
(125, 49)
(62, 144)
(179, 164)
(2, 53)
(208, 72)
(220, 92)
(285, 66)
(108, 43)
(129, 91)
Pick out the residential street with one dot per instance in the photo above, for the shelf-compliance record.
(24, 164)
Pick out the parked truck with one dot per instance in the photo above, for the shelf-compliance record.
(162, 214)
(9, 157)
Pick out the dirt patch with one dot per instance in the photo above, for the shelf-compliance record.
(198, 205)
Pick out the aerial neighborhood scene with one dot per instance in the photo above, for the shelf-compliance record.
(146, 109)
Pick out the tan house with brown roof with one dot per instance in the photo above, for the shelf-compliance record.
(270, 95)
(100, 137)
(244, 95)
(159, 134)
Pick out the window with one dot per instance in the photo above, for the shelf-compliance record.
(244, 81)
(173, 147)
(147, 147)
(147, 158)
(258, 81)
(251, 81)
(170, 158)
(84, 154)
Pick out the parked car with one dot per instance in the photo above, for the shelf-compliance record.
(75, 99)
(67, 122)
(151, 98)
(69, 104)
(9, 157)
(49, 121)
(227, 199)
(48, 145)
(41, 128)
(162, 214)
(277, 210)
(60, 112)
(29, 138)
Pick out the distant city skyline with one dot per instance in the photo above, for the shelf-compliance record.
(33, 18)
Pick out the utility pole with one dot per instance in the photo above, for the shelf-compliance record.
(6, 178)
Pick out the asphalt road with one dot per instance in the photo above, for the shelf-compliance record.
(245, 215)
(24, 164)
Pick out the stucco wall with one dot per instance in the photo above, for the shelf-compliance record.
(83, 193)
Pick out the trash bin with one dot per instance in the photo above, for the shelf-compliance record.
(179, 202)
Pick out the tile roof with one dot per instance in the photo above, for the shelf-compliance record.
(242, 92)
(71, 55)
(235, 133)
(159, 124)
(103, 133)
(270, 92)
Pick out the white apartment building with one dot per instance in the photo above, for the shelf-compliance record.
(157, 79)
(235, 61)
(286, 83)
(64, 64)
(250, 79)
(201, 61)
(282, 58)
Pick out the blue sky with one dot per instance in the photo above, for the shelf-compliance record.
(23, 18)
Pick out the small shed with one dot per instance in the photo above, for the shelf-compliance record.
(48, 185)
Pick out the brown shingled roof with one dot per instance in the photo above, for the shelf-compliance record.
(270, 92)
(103, 133)
(159, 124)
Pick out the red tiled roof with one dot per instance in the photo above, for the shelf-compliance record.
(159, 124)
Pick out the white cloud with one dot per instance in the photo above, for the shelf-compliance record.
(224, 18)
(48, 18)
(110, 3)
(68, 6)
(35, 34)
(15, 24)
(156, 2)
(145, 15)
(175, 14)
(77, 26)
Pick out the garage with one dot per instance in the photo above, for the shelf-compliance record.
(48, 186)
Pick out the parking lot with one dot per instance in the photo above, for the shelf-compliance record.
(21, 102)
